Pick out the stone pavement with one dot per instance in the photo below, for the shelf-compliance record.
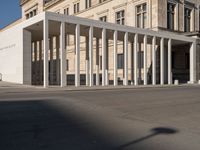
(117, 119)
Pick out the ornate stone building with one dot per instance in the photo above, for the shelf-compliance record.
(148, 55)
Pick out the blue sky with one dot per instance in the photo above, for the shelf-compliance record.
(9, 12)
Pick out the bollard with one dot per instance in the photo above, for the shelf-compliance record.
(176, 82)
(199, 82)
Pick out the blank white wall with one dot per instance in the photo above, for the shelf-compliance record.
(11, 54)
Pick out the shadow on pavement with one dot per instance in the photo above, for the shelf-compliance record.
(155, 132)
(37, 125)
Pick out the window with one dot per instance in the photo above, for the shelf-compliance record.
(87, 4)
(31, 14)
(67, 65)
(67, 39)
(187, 18)
(103, 18)
(141, 16)
(170, 16)
(101, 1)
(141, 58)
(100, 62)
(199, 18)
(120, 61)
(76, 8)
(58, 11)
(66, 11)
(120, 18)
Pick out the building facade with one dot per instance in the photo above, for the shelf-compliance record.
(128, 42)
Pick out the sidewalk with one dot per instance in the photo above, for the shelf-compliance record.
(7, 85)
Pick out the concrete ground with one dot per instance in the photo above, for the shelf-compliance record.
(145, 118)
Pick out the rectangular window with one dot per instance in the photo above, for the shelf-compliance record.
(141, 59)
(76, 8)
(141, 16)
(31, 14)
(67, 39)
(66, 11)
(103, 18)
(100, 62)
(87, 4)
(120, 17)
(199, 18)
(101, 1)
(170, 16)
(120, 61)
(67, 65)
(187, 19)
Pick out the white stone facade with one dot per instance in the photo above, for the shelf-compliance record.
(51, 52)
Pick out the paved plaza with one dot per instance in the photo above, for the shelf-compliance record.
(146, 118)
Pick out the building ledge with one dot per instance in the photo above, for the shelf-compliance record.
(194, 33)
(49, 3)
(22, 2)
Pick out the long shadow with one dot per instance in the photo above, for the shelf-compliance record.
(42, 125)
(38, 125)
(155, 132)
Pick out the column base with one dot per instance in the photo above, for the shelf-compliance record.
(191, 82)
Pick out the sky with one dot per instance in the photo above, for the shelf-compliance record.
(9, 11)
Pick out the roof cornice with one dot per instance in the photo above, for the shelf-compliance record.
(22, 2)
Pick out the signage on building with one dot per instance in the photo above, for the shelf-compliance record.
(7, 47)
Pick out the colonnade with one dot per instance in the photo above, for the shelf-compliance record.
(90, 62)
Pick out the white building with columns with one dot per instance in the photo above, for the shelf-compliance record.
(38, 51)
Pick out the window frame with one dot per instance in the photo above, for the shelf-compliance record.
(103, 18)
(142, 14)
(66, 11)
(120, 61)
(120, 17)
(187, 19)
(88, 4)
(171, 23)
(76, 7)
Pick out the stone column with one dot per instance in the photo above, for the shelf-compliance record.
(107, 63)
(87, 62)
(77, 58)
(46, 48)
(40, 58)
(115, 37)
(154, 60)
(169, 61)
(145, 60)
(162, 61)
(103, 56)
(62, 55)
(51, 59)
(91, 54)
(193, 63)
(126, 59)
(97, 61)
(132, 63)
(35, 62)
(136, 59)
(57, 60)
